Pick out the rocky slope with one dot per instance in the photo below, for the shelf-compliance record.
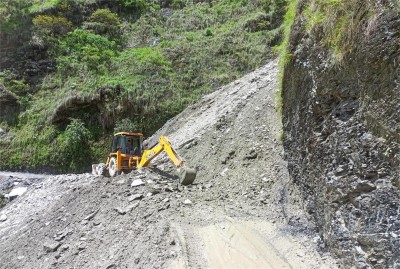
(341, 128)
(241, 212)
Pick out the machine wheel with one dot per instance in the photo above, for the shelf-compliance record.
(112, 167)
(101, 169)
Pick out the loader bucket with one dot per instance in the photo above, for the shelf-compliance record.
(94, 169)
(186, 175)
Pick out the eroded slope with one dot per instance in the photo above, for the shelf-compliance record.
(242, 200)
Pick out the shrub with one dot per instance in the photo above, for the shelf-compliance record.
(82, 50)
(105, 16)
(337, 20)
(46, 25)
(140, 6)
(178, 4)
(13, 83)
(208, 32)
(74, 146)
(104, 22)
(127, 125)
(11, 14)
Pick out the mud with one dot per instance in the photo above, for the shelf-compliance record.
(241, 212)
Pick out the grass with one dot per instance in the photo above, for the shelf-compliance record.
(283, 49)
(338, 20)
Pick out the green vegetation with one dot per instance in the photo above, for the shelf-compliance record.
(283, 48)
(339, 21)
(134, 70)
(82, 51)
(51, 25)
(104, 22)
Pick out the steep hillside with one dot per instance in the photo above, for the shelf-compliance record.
(72, 71)
(242, 211)
(341, 125)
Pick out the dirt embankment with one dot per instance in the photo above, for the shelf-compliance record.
(242, 211)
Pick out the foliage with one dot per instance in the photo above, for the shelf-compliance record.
(146, 64)
(83, 51)
(74, 146)
(283, 48)
(104, 22)
(11, 12)
(46, 25)
(208, 32)
(105, 16)
(13, 83)
(139, 6)
(338, 22)
(40, 5)
(127, 125)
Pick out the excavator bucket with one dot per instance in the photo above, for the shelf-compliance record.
(186, 175)
(94, 169)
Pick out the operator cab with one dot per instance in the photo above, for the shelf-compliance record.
(127, 143)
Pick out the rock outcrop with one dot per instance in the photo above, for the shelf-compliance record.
(341, 132)
(9, 105)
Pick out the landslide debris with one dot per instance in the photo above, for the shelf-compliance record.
(145, 219)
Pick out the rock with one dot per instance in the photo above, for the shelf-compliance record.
(364, 186)
(187, 202)
(120, 182)
(120, 210)
(111, 266)
(64, 248)
(251, 155)
(123, 211)
(51, 246)
(169, 189)
(135, 197)
(154, 189)
(60, 236)
(3, 218)
(137, 182)
(16, 192)
(82, 246)
(91, 215)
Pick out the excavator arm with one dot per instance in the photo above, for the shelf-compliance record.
(186, 174)
(163, 145)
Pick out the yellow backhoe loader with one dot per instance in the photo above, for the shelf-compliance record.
(127, 153)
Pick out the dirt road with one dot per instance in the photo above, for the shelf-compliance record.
(242, 211)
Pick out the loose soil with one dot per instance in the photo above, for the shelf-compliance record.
(241, 212)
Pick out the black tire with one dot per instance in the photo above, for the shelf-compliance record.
(112, 167)
(102, 169)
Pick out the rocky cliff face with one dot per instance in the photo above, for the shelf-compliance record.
(9, 106)
(341, 132)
